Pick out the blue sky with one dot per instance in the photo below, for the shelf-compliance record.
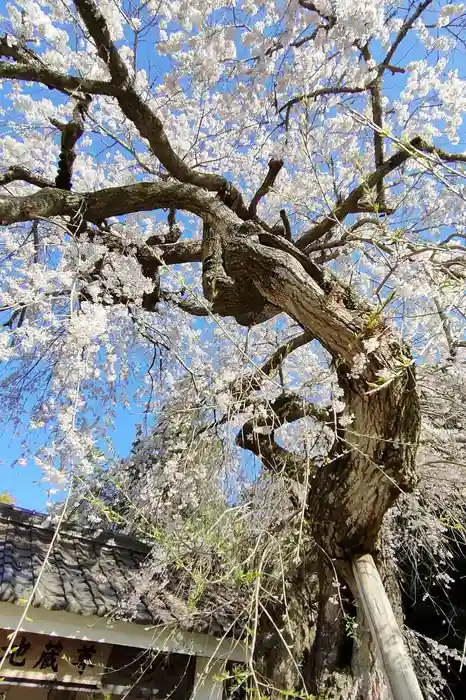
(24, 482)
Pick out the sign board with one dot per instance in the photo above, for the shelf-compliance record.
(58, 659)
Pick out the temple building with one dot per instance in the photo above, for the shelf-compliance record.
(66, 600)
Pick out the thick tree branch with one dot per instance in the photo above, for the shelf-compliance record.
(132, 105)
(11, 48)
(180, 252)
(53, 79)
(442, 155)
(191, 308)
(279, 242)
(286, 225)
(17, 173)
(257, 434)
(351, 204)
(274, 457)
(174, 231)
(275, 165)
(148, 124)
(284, 282)
(377, 117)
(147, 196)
(114, 201)
(44, 204)
(70, 134)
(276, 274)
(96, 25)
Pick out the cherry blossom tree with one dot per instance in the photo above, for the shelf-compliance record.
(263, 202)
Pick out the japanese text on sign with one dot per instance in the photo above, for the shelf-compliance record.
(53, 658)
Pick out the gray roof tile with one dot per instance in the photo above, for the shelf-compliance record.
(90, 573)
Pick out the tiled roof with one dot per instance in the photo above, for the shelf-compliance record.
(90, 573)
